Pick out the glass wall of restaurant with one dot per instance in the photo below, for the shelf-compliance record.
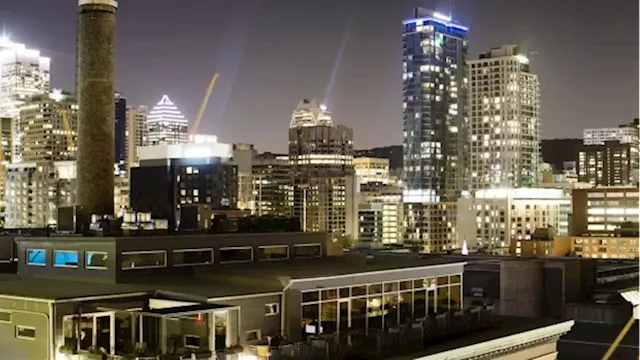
(378, 306)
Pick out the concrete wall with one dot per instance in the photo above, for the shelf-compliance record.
(521, 288)
(33, 314)
(253, 315)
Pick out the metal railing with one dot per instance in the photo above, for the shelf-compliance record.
(377, 343)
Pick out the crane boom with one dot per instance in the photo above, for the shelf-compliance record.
(67, 129)
(203, 106)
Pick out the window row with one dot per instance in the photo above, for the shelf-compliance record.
(375, 289)
(190, 257)
(378, 312)
(68, 258)
(184, 257)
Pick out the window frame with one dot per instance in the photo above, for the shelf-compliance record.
(36, 264)
(6, 312)
(17, 330)
(164, 252)
(184, 341)
(307, 245)
(236, 261)
(270, 305)
(275, 246)
(65, 266)
(86, 260)
(258, 333)
(210, 250)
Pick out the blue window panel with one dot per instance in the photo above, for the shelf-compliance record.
(36, 257)
(65, 258)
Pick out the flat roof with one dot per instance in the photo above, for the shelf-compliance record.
(300, 269)
(210, 282)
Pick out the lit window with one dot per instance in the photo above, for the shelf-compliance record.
(65, 258)
(37, 257)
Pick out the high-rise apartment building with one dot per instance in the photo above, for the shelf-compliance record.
(120, 131)
(504, 120)
(6, 144)
(380, 216)
(434, 95)
(35, 191)
(495, 218)
(137, 134)
(435, 87)
(371, 170)
(610, 156)
(271, 185)
(49, 125)
(23, 73)
(625, 134)
(165, 124)
(321, 160)
(610, 164)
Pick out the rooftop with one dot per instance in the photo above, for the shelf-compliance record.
(517, 329)
(221, 281)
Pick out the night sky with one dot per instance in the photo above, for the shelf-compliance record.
(272, 53)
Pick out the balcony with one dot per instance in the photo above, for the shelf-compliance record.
(160, 330)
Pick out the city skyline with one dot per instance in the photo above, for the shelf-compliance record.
(254, 50)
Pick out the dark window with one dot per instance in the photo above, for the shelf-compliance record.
(192, 341)
(192, 257)
(229, 255)
(276, 252)
(144, 260)
(307, 251)
(25, 332)
(253, 335)
(96, 260)
(310, 296)
(5, 316)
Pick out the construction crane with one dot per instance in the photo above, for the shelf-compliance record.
(203, 106)
(67, 129)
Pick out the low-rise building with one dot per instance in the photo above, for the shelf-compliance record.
(169, 176)
(208, 294)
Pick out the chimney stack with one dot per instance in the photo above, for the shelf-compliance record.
(95, 81)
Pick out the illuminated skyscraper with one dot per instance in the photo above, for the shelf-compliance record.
(315, 144)
(49, 127)
(504, 123)
(321, 159)
(434, 126)
(166, 125)
(435, 90)
(137, 133)
(23, 73)
(120, 131)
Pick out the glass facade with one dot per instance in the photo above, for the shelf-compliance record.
(378, 306)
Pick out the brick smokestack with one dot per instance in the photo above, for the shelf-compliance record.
(95, 81)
